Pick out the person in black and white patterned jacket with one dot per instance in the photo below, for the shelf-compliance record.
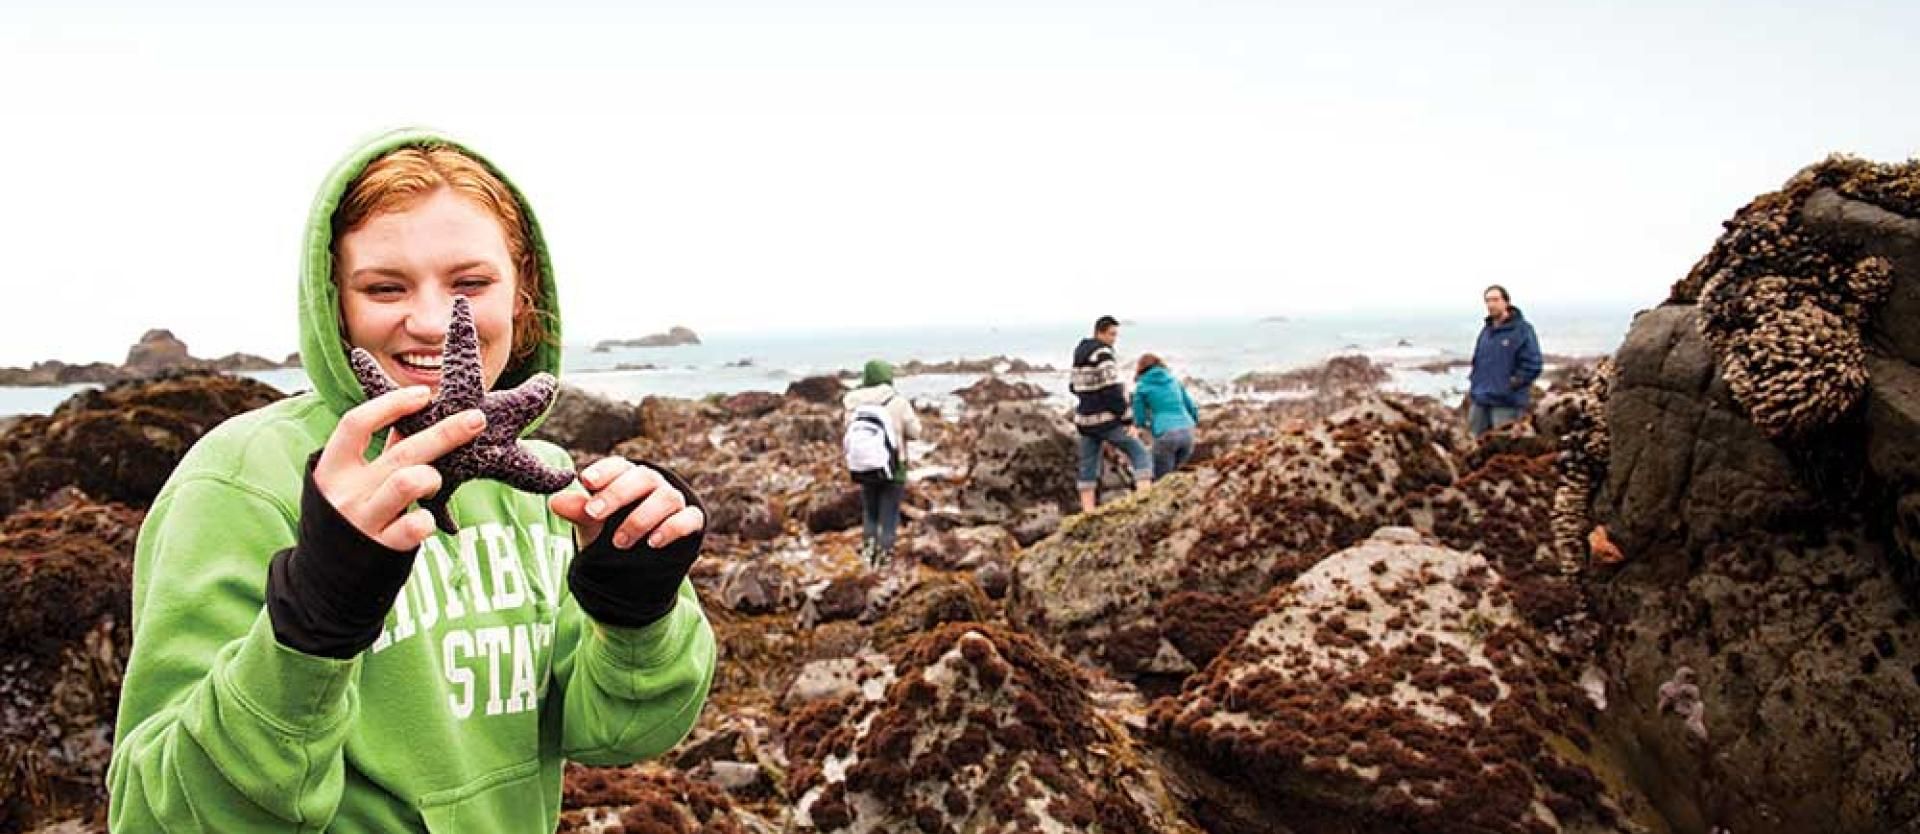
(1103, 415)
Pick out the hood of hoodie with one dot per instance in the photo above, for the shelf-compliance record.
(1157, 375)
(877, 372)
(1085, 349)
(323, 348)
(1513, 320)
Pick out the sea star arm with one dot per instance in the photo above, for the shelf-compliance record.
(520, 469)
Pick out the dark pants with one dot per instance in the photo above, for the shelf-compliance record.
(1170, 451)
(880, 511)
(1484, 418)
(1117, 436)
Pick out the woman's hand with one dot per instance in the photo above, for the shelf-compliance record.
(374, 495)
(662, 515)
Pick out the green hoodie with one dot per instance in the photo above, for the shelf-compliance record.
(487, 677)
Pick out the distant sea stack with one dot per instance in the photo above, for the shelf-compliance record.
(672, 338)
(158, 352)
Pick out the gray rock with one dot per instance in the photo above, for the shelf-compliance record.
(823, 390)
(1893, 421)
(838, 677)
(588, 422)
(755, 587)
(1880, 232)
(1026, 456)
(1806, 658)
(1687, 465)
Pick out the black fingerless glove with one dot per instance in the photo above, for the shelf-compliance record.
(637, 586)
(329, 594)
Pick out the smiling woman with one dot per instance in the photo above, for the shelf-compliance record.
(312, 652)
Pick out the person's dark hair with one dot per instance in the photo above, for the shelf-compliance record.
(1503, 292)
(1103, 323)
(1147, 363)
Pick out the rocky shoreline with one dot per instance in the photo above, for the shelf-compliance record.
(1681, 598)
(158, 352)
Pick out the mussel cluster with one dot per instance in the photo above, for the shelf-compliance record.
(1783, 304)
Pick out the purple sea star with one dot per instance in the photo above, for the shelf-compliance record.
(496, 453)
(1681, 696)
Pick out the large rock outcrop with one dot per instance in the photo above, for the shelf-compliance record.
(982, 731)
(1025, 458)
(1785, 292)
(1396, 686)
(587, 422)
(66, 573)
(1760, 637)
(1103, 590)
(119, 443)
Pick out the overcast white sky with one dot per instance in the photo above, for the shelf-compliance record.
(732, 166)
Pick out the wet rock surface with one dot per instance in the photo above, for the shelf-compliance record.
(1395, 682)
(587, 422)
(67, 575)
(994, 389)
(1259, 517)
(121, 442)
(1759, 631)
(983, 730)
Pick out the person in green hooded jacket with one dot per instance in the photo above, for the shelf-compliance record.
(880, 500)
(309, 653)
(1161, 406)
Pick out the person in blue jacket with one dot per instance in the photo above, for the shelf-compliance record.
(1161, 405)
(1506, 361)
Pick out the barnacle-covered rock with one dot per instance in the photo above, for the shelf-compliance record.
(1684, 465)
(66, 575)
(1785, 292)
(1585, 447)
(119, 443)
(984, 731)
(649, 800)
(1396, 683)
(1230, 530)
(1802, 712)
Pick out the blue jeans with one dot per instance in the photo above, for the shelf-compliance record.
(1484, 418)
(1118, 436)
(1170, 451)
(880, 513)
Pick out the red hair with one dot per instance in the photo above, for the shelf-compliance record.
(405, 176)
(1147, 363)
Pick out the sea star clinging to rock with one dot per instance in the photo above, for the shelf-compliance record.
(496, 453)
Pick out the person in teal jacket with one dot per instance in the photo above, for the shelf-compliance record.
(309, 653)
(1161, 406)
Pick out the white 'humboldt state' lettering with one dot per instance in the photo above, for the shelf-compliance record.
(469, 541)
(522, 697)
(493, 640)
(443, 588)
(443, 564)
(458, 675)
(503, 565)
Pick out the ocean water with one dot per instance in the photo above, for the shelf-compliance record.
(1214, 351)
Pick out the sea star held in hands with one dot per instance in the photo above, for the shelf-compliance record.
(496, 453)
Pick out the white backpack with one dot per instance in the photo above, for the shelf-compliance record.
(869, 444)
